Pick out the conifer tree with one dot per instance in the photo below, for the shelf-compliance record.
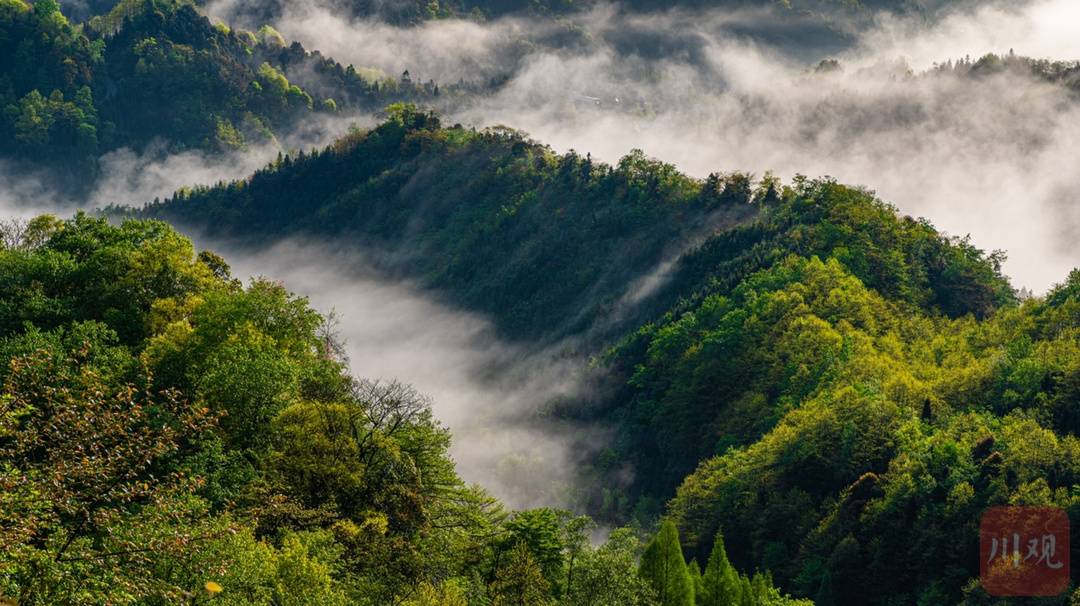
(663, 566)
(720, 582)
(696, 580)
(746, 592)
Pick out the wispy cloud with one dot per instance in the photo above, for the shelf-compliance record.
(130, 177)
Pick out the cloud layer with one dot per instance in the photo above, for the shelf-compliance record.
(993, 156)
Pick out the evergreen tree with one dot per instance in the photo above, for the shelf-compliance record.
(746, 592)
(695, 578)
(761, 584)
(720, 583)
(663, 566)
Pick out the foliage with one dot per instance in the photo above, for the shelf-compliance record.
(158, 69)
(810, 376)
(841, 388)
(872, 484)
(720, 582)
(551, 244)
(169, 435)
(607, 575)
(160, 425)
(663, 566)
(732, 334)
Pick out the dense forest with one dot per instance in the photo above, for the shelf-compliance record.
(548, 243)
(159, 70)
(169, 435)
(794, 393)
(838, 388)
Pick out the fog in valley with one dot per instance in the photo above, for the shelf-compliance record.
(130, 178)
(486, 391)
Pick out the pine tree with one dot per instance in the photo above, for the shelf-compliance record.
(746, 592)
(720, 583)
(663, 566)
(696, 580)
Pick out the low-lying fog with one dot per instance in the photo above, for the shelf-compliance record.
(487, 392)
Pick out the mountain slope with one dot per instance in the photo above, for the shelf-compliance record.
(838, 374)
(894, 432)
(545, 243)
(549, 245)
(168, 435)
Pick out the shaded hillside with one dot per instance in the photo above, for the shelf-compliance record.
(547, 244)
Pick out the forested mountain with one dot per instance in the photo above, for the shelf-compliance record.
(851, 386)
(168, 435)
(548, 244)
(792, 389)
(158, 69)
(456, 205)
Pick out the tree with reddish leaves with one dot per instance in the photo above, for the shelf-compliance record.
(79, 458)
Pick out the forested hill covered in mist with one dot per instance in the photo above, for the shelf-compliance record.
(856, 387)
(550, 245)
(839, 388)
(160, 76)
(769, 386)
(170, 436)
(71, 91)
(159, 70)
